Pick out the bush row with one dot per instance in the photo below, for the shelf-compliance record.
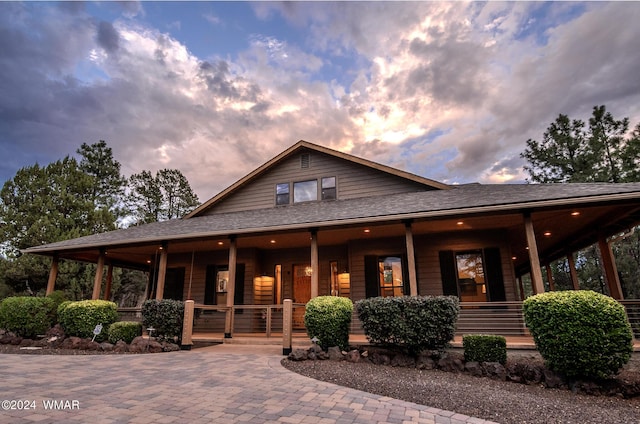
(30, 317)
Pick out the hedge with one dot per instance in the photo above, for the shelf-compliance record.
(125, 331)
(80, 318)
(328, 318)
(484, 348)
(410, 323)
(579, 333)
(165, 317)
(27, 316)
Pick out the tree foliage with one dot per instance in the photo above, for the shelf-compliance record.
(602, 150)
(165, 195)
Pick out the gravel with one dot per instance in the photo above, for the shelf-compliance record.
(481, 397)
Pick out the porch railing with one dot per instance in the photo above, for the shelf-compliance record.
(502, 318)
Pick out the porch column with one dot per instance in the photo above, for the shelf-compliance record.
(572, 271)
(411, 260)
(534, 259)
(610, 269)
(107, 289)
(162, 271)
(552, 283)
(53, 274)
(97, 282)
(231, 287)
(315, 271)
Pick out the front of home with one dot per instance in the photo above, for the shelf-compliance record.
(313, 221)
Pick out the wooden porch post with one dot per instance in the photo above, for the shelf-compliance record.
(534, 259)
(107, 289)
(97, 282)
(53, 274)
(231, 287)
(411, 260)
(315, 271)
(162, 271)
(552, 283)
(572, 272)
(610, 269)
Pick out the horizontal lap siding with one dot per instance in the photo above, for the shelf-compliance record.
(428, 262)
(352, 181)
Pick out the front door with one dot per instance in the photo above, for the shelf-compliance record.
(301, 292)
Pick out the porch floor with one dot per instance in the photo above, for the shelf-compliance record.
(300, 340)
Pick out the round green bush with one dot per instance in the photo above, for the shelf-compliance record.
(579, 333)
(125, 331)
(80, 318)
(27, 316)
(328, 318)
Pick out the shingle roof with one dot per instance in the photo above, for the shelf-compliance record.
(474, 198)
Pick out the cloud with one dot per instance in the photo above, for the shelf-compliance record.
(450, 91)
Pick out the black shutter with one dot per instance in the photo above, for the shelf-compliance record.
(406, 285)
(238, 296)
(493, 274)
(448, 273)
(371, 278)
(210, 285)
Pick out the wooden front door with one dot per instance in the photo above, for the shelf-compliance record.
(301, 292)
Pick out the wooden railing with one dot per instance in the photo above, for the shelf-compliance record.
(502, 318)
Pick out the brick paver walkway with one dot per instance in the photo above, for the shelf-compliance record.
(218, 384)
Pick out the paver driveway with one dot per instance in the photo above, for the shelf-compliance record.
(218, 384)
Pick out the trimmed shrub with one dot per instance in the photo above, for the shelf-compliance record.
(410, 323)
(484, 348)
(328, 319)
(165, 316)
(80, 318)
(579, 333)
(58, 297)
(125, 331)
(27, 316)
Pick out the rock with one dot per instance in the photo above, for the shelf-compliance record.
(404, 361)
(495, 370)
(315, 348)
(524, 373)
(585, 387)
(72, 342)
(353, 356)
(312, 356)
(91, 345)
(106, 346)
(323, 355)
(169, 347)
(121, 347)
(378, 358)
(425, 362)
(474, 368)
(335, 354)
(143, 345)
(451, 363)
(298, 355)
(55, 331)
(27, 343)
(553, 380)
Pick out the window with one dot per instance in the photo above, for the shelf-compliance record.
(470, 273)
(391, 276)
(282, 194)
(329, 188)
(305, 191)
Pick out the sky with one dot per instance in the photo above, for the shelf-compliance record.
(447, 90)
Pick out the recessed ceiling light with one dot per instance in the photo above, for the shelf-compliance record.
(575, 213)
(513, 258)
(460, 223)
(272, 242)
(547, 233)
(367, 230)
(220, 243)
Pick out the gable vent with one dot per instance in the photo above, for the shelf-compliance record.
(305, 160)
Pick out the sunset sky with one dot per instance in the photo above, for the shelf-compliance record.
(447, 90)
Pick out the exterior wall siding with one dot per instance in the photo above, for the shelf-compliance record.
(352, 181)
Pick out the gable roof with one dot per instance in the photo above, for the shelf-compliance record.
(460, 200)
(301, 145)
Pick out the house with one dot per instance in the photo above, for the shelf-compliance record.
(314, 221)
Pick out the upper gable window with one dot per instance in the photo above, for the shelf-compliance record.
(305, 191)
(329, 188)
(282, 194)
